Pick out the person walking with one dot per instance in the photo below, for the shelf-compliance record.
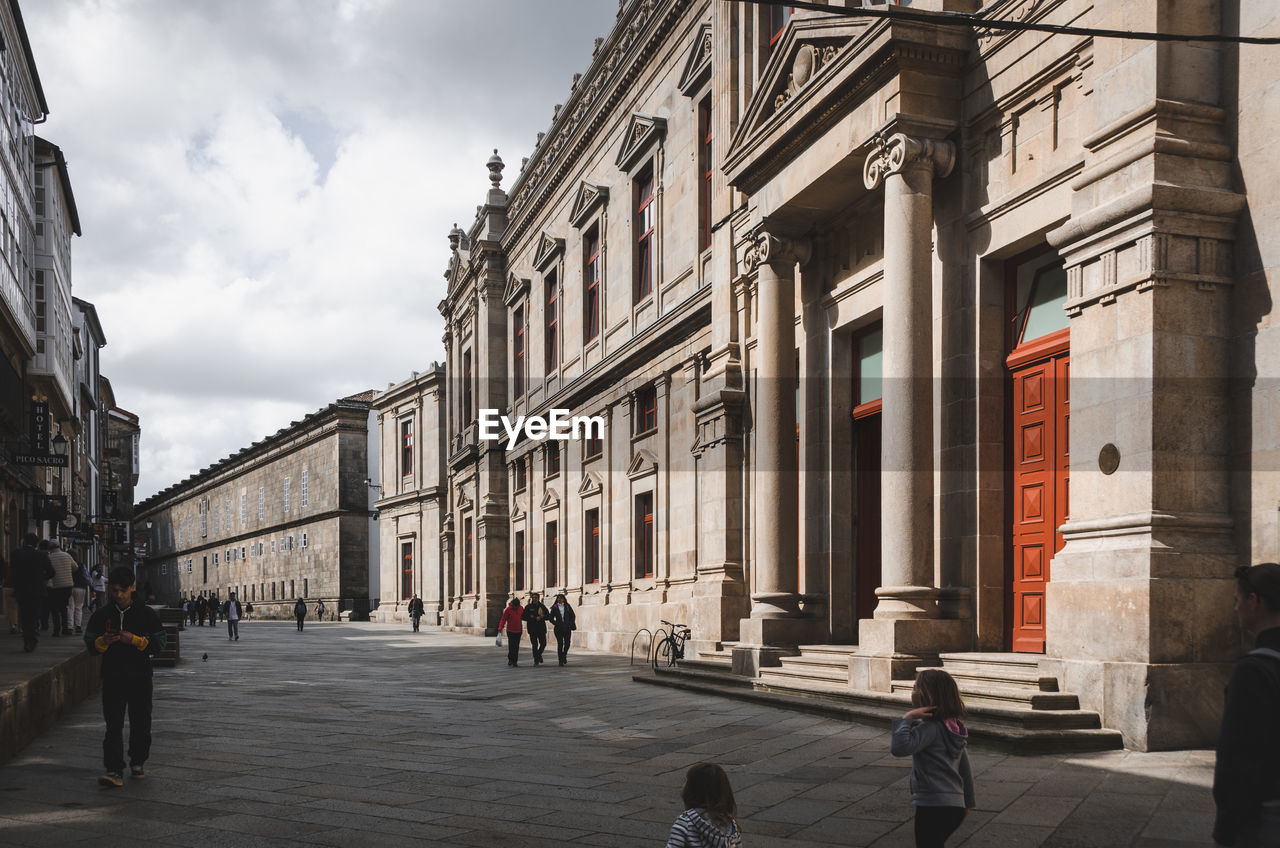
(1246, 777)
(709, 808)
(214, 606)
(60, 587)
(319, 610)
(300, 612)
(31, 572)
(10, 600)
(248, 611)
(75, 606)
(231, 612)
(98, 583)
(935, 738)
(564, 622)
(127, 635)
(535, 616)
(415, 612)
(513, 626)
(202, 609)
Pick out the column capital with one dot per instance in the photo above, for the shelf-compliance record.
(780, 252)
(893, 153)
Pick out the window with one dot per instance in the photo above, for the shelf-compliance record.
(705, 170)
(262, 501)
(591, 545)
(244, 509)
(778, 18)
(645, 412)
(868, 372)
(273, 590)
(290, 543)
(517, 347)
(273, 546)
(592, 447)
(291, 594)
(552, 333)
(406, 447)
(643, 286)
(303, 540)
(551, 457)
(217, 519)
(591, 286)
(164, 569)
(522, 475)
(190, 563)
(644, 534)
(304, 488)
(306, 586)
(466, 556)
(519, 578)
(406, 570)
(286, 494)
(553, 554)
(227, 513)
(466, 388)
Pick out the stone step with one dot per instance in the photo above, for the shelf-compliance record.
(844, 651)
(982, 692)
(806, 671)
(840, 661)
(705, 663)
(1001, 677)
(994, 662)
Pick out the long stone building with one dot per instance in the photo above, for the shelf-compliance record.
(285, 518)
(862, 296)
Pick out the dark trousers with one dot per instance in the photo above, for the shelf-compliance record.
(513, 648)
(300, 620)
(57, 606)
(29, 615)
(416, 619)
(538, 642)
(935, 824)
(233, 628)
(118, 695)
(563, 638)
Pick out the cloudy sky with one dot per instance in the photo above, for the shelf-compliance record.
(265, 188)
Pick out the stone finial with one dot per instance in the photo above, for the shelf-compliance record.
(523, 162)
(577, 78)
(495, 168)
(538, 143)
(595, 51)
(555, 113)
(455, 236)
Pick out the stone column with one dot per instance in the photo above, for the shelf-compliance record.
(906, 630)
(775, 603)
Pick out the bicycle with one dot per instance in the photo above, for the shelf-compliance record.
(671, 649)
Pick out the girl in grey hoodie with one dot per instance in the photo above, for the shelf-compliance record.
(935, 738)
(709, 808)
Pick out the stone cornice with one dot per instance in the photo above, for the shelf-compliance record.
(431, 380)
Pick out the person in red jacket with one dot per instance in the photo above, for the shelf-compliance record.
(513, 626)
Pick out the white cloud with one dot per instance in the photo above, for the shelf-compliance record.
(265, 188)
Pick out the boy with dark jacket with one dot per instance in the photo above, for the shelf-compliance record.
(127, 634)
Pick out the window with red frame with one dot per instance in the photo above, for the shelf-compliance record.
(778, 18)
(704, 167)
(553, 554)
(406, 447)
(593, 447)
(522, 475)
(466, 557)
(406, 570)
(552, 333)
(646, 410)
(517, 345)
(519, 561)
(466, 389)
(644, 236)
(591, 541)
(644, 534)
(551, 454)
(591, 286)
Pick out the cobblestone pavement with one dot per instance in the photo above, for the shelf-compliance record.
(348, 731)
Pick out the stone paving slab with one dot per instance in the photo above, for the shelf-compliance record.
(366, 734)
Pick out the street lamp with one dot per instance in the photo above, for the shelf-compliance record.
(59, 444)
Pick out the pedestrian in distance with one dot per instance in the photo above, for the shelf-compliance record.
(564, 622)
(300, 612)
(513, 625)
(535, 616)
(248, 611)
(79, 591)
(31, 573)
(319, 610)
(231, 612)
(98, 581)
(709, 810)
(59, 595)
(10, 600)
(202, 609)
(1246, 778)
(935, 738)
(415, 612)
(127, 634)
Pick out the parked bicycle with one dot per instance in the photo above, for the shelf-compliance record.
(671, 649)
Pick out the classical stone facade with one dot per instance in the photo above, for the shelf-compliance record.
(412, 496)
(285, 518)
(861, 296)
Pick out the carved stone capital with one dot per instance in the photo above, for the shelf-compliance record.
(895, 153)
(777, 251)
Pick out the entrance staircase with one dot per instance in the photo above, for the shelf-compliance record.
(1011, 704)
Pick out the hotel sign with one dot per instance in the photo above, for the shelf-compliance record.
(51, 460)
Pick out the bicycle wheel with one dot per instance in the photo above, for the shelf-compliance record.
(665, 657)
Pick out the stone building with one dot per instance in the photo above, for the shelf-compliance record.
(861, 295)
(412, 499)
(285, 518)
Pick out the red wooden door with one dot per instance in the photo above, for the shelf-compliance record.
(1040, 412)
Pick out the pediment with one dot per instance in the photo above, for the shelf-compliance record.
(549, 247)
(457, 268)
(806, 55)
(516, 288)
(643, 132)
(697, 63)
(589, 198)
(590, 485)
(464, 502)
(549, 499)
(516, 513)
(641, 464)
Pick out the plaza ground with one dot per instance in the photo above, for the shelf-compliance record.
(366, 734)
